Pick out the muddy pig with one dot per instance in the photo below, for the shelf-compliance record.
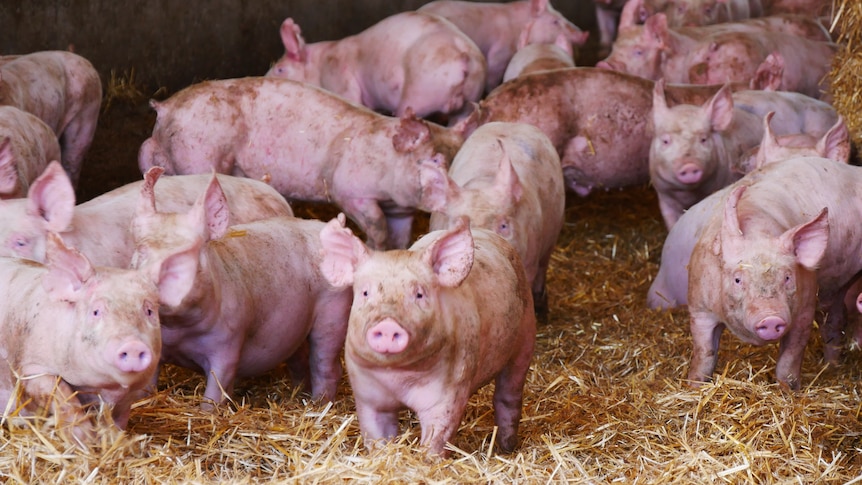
(507, 178)
(774, 247)
(69, 327)
(432, 324)
(62, 89)
(27, 144)
(409, 60)
(313, 145)
(258, 293)
(100, 227)
(497, 28)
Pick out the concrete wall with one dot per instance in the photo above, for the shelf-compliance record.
(173, 43)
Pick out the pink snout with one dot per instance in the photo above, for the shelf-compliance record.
(771, 328)
(606, 65)
(134, 356)
(387, 337)
(689, 174)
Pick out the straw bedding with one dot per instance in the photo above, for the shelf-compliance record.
(605, 401)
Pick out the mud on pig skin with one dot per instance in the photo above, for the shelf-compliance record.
(409, 60)
(499, 28)
(778, 243)
(27, 145)
(63, 90)
(507, 179)
(432, 324)
(258, 294)
(69, 327)
(100, 227)
(313, 146)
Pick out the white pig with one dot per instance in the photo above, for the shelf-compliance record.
(539, 57)
(27, 144)
(432, 324)
(506, 178)
(258, 293)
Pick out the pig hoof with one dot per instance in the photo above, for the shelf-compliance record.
(387, 337)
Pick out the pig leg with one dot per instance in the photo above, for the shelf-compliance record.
(671, 210)
(540, 291)
(76, 139)
(579, 152)
(509, 394)
(366, 213)
(705, 334)
(440, 421)
(326, 341)
(399, 221)
(221, 376)
(791, 349)
(48, 390)
(298, 366)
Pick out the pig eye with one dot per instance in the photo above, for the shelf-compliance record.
(702, 139)
(96, 312)
(737, 280)
(365, 293)
(639, 52)
(665, 140)
(21, 242)
(419, 295)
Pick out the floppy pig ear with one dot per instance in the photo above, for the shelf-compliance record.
(68, 270)
(291, 37)
(451, 255)
(437, 188)
(412, 132)
(808, 241)
(52, 198)
(342, 252)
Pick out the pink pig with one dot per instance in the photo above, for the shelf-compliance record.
(498, 28)
(768, 254)
(69, 327)
(312, 144)
(62, 89)
(406, 61)
(539, 57)
(27, 144)
(100, 227)
(432, 324)
(507, 179)
(258, 293)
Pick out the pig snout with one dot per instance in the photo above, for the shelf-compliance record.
(690, 173)
(771, 328)
(387, 337)
(606, 65)
(134, 356)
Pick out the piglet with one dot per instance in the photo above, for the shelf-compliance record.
(62, 89)
(410, 60)
(258, 293)
(507, 179)
(27, 144)
(100, 227)
(432, 324)
(498, 28)
(69, 327)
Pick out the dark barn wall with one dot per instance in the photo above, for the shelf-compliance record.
(173, 43)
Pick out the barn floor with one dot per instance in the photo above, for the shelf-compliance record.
(605, 402)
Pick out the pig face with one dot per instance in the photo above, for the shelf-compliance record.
(639, 50)
(834, 144)
(684, 150)
(766, 280)
(547, 24)
(293, 64)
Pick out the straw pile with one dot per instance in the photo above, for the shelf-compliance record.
(846, 72)
(605, 402)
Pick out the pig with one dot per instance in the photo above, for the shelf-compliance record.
(834, 144)
(682, 13)
(432, 324)
(539, 57)
(27, 144)
(62, 89)
(100, 227)
(809, 8)
(314, 145)
(74, 334)
(769, 255)
(497, 28)
(598, 120)
(258, 293)
(507, 178)
(655, 51)
(670, 287)
(409, 60)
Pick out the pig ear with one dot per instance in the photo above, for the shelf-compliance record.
(412, 132)
(768, 75)
(216, 212)
(656, 30)
(451, 255)
(719, 109)
(68, 270)
(768, 144)
(51, 198)
(537, 7)
(438, 190)
(835, 144)
(731, 240)
(342, 252)
(147, 199)
(469, 123)
(176, 275)
(565, 43)
(659, 102)
(8, 167)
(631, 14)
(291, 37)
(808, 241)
(506, 181)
